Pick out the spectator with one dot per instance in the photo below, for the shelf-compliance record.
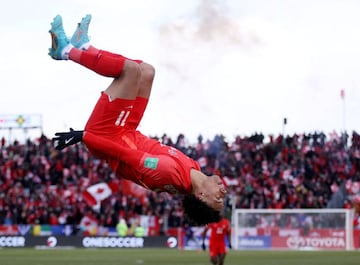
(301, 171)
(122, 227)
(139, 231)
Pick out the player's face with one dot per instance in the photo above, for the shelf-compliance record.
(215, 192)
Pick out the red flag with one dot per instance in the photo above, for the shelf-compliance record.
(133, 189)
(230, 181)
(94, 194)
(89, 225)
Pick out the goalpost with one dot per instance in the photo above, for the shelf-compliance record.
(293, 229)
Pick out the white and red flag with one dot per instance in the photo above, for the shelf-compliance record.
(230, 181)
(96, 193)
(130, 188)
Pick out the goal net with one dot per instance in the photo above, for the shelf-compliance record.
(293, 229)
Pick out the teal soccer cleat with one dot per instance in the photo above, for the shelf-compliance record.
(58, 39)
(80, 38)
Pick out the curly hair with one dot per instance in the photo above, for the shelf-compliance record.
(198, 211)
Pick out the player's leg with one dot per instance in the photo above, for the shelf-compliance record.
(213, 252)
(147, 73)
(134, 83)
(80, 40)
(221, 259)
(132, 78)
(146, 80)
(126, 72)
(214, 260)
(221, 252)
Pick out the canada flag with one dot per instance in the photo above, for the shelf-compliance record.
(129, 188)
(96, 193)
(230, 181)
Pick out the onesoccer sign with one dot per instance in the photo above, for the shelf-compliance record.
(58, 241)
(20, 121)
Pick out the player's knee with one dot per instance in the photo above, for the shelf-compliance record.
(147, 71)
(132, 69)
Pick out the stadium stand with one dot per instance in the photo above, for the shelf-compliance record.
(39, 185)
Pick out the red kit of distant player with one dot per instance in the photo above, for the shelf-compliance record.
(217, 237)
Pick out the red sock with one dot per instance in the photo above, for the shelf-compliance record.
(114, 54)
(101, 62)
(93, 49)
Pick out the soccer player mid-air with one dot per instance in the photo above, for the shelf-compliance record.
(111, 130)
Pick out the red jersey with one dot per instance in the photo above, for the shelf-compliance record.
(162, 168)
(218, 233)
(145, 161)
(111, 134)
(219, 230)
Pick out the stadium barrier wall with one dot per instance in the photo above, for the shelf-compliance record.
(18, 236)
(42, 242)
(295, 229)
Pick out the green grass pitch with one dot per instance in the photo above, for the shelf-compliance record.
(172, 257)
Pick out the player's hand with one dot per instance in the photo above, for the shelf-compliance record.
(65, 139)
(203, 246)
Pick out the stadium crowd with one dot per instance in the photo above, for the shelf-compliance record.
(39, 185)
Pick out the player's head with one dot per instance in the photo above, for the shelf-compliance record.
(213, 192)
(198, 211)
(206, 204)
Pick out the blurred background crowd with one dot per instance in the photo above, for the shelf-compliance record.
(40, 185)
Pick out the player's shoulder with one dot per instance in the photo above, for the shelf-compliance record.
(225, 221)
